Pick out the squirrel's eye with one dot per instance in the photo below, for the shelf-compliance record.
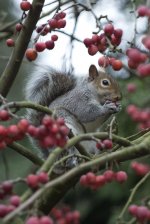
(105, 82)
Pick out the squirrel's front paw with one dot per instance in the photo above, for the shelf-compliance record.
(112, 107)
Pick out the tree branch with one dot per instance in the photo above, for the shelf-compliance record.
(22, 42)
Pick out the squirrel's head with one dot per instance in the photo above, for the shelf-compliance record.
(105, 85)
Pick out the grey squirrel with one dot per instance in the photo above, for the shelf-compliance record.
(85, 101)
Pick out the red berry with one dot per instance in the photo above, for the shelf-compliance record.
(76, 215)
(43, 177)
(61, 23)
(12, 130)
(46, 220)
(87, 42)
(18, 27)
(3, 210)
(32, 180)
(83, 180)
(146, 42)
(40, 46)
(64, 130)
(47, 121)
(99, 145)
(103, 61)
(10, 208)
(118, 33)
(109, 175)
(90, 178)
(121, 176)
(142, 213)
(108, 144)
(142, 11)
(133, 209)
(139, 168)
(43, 29)
(131, 109)
(23, 125)
(4, 115)
(3, 131)
(131, 87)
(25, 5)
(144, 70)
(60, 121)
(132, 64)
(48, 141)
(31, 54)
(117, 65)
(100, 180)
(62, 14)
(92, 49)
(32, 130)
(134, 55)
(52, 23)
(109, 29)
(15, 200)
(114, 40)
(54, 37)
(10, 42)
(7, 187)
(33, 220)
(50, 44)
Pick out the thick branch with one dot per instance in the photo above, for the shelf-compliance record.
(26, 153)
(22, 42)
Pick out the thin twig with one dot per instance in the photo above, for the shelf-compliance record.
(133, 192)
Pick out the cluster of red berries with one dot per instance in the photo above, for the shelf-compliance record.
(57, 22)
(52, 132)
(31, 53)
(95, 182)
(65, 215)
(140, 168)
(6, 188)
(142, 116)
(10, 42)
(143, 10)
(136, 60)
(99, 43)
(35, 180)
(105, 144)
(141, 213)
(116, 64)
(39, 220)
(13, 132)
(25, 5)
(14, 202)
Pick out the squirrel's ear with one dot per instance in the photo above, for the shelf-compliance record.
(93, 73)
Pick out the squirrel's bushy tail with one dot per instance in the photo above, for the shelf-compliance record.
(43, 88)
